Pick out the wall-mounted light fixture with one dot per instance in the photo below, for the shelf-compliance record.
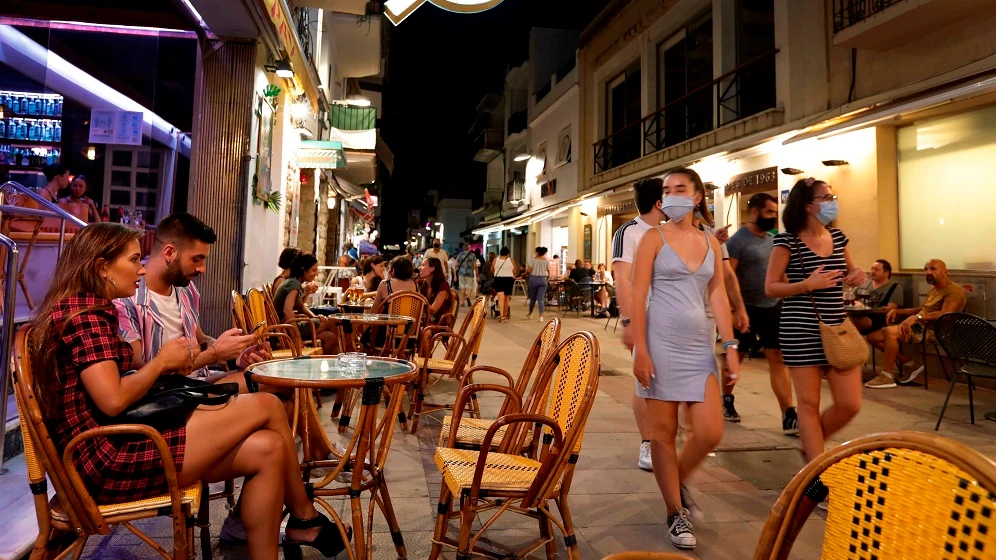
(792, 171)
(521, 157)
(835, 162)
(91, 153)
(281, 68)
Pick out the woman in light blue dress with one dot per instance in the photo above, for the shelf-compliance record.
(676, 265)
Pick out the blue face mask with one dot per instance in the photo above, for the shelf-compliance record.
(828, 212)
(677, 206)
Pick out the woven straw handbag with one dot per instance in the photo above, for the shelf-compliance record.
(843, 345)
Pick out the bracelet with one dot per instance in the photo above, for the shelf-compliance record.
(735, 344)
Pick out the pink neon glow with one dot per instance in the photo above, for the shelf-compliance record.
(100, 28)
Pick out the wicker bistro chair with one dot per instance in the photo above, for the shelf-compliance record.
(460, 355)
(970, 342)
(261, 310)
(73, 511)
(892, 496)
(449, 318)
(572, 297)
(407, 304)
(634, 555)
(533, 397)
(505, 480)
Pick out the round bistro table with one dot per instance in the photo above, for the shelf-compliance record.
(350, 328)
(369, 444)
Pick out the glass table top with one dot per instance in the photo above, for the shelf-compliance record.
(369, 317)
(328, 369)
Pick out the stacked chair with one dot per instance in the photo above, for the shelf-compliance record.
(461, 354)
(505, 479)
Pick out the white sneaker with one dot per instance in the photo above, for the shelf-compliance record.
(541, 319)
(913, 375)
(680, 530)
(645, 462)
(529, 316)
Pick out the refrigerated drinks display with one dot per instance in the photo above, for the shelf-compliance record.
(30, 130)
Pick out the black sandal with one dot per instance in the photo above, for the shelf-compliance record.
(328, 542)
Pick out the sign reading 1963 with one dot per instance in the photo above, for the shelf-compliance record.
(754, 181)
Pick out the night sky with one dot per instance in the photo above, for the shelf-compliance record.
(440, 65)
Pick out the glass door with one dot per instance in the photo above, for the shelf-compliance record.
(133, 178)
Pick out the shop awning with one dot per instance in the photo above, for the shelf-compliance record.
(346, 188)
(880, 113)
(355, 139)
(527, 218)
(321, 154)
(56, 73)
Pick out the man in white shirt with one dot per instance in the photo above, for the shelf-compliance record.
(647, 195)
(437, 252)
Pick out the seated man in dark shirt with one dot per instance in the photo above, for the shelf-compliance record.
(579, 273)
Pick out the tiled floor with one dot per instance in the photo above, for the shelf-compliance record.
(616, 506)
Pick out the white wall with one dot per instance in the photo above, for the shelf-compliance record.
(264, 238)
(546, 130)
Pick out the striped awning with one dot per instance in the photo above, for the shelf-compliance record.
(320, 154)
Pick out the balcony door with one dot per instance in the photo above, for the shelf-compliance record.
(755, 38)
(623, 118)
(685, 72)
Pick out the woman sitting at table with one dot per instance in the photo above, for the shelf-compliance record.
(80, 364)
(603, 296)
(373, 275)
(289, 302)
(434, 287)
(80, 205)
(402, 271)
(285, 261)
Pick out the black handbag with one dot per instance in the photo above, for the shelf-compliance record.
(172, 399)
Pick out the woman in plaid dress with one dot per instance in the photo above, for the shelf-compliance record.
(83, 376)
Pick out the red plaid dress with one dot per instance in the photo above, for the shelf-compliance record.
(115, 469)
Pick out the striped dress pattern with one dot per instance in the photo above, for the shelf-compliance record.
(799, 331)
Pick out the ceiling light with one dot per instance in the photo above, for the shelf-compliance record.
(792, 171)
(91, 153)
(834, 162)
(522, 157)
(283, 69)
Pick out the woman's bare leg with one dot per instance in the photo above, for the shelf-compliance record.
(808, 381)
(214, 435)
(846, 388)
(706, 419)
(662, 416)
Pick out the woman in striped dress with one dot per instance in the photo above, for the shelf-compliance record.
(809, 262)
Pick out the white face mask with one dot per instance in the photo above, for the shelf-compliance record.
(677, 206)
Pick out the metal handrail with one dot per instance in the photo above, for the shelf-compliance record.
(7, 334)
(56, 210)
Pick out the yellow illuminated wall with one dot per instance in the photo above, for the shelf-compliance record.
(947, 201)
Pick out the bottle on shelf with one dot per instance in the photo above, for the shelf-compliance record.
(3, 129)
(58, 107)
(24, 157)
(125, 216)
(139, 221)
(105, 216)
(57, 132)
(15, 104)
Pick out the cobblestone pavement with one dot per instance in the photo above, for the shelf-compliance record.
(616, 506)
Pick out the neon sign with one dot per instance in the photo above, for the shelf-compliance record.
(398, 10)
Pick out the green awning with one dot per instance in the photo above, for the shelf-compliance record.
(321, 154)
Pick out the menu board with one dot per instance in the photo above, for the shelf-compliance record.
(108, 126)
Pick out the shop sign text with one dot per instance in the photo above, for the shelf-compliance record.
(754, 181)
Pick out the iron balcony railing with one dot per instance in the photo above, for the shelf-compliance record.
(741, 92)
(852, 12)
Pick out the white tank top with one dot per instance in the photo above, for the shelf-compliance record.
(504, 268)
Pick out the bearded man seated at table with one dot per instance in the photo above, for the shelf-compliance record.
(944, 297)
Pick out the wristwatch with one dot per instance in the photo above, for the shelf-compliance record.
(919, 317)
(625, 321)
